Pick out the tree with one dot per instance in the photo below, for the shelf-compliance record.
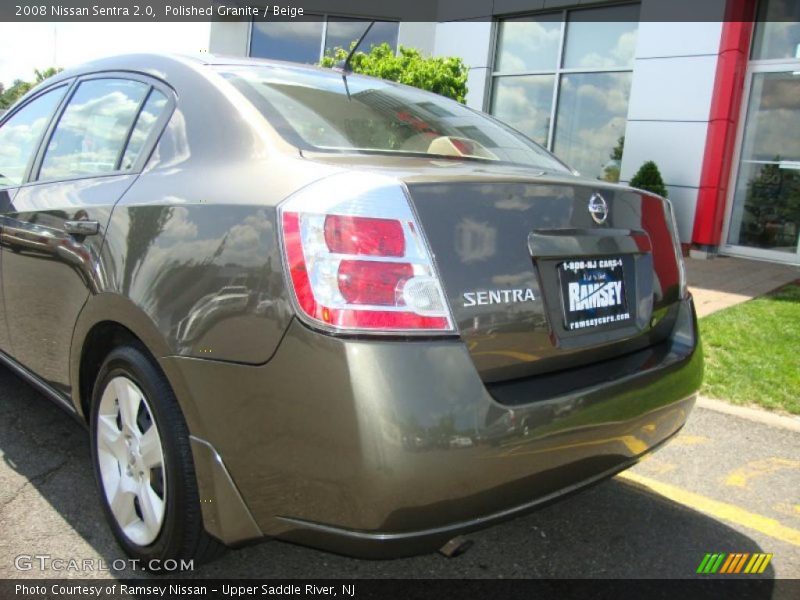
(48, 72)
(19, 87)
(616, 153)
(612, 167)
(648, 178)
(446, 76)
(771, 208)
(17, 90)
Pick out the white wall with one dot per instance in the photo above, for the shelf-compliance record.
(419, 35)
(229, 38)
(671, 90)
(471, 40)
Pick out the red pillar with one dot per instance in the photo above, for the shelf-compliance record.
(726, 103)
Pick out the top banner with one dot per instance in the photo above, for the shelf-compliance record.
(309, 10)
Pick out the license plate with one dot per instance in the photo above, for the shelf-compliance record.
(593, 293)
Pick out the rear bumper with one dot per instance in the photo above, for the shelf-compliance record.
(385, 448)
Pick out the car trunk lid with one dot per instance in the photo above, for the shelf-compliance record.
(535, 282)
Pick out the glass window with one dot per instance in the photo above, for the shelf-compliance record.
(145, 122)
(529, 44)
(92, 130)
(19, 136)
(341, 33)
(301, 39)
(777, 33)
(592, 111)
(766, 204)
(312, 110)
(588, 92)
(601, 38)
(525, 103)
(298, 40)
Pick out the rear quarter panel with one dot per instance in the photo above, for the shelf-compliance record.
(197, 250)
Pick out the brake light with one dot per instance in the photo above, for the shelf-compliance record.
(357, 260)
(363, 235)
(373, 283)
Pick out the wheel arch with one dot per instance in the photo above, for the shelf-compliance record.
(107, 321)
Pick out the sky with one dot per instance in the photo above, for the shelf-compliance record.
(28, 46)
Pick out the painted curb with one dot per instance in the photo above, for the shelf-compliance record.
(751, 414)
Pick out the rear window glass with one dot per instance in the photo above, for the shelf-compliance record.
(312, 110)
(145, 122)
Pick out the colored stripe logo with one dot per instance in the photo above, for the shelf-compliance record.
(728, 564)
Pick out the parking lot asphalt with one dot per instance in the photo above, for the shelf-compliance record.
(725, 484)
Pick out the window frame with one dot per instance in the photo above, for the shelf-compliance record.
(325, 17)
(766, 62)
(754, 67)
(66, 83)
(33, 176)
(556, 72)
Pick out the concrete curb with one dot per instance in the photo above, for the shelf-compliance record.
(751, 414)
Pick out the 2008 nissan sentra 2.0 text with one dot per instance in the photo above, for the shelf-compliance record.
(284, 309)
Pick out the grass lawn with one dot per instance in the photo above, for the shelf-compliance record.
(752, 351)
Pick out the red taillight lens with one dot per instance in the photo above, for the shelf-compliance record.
(297, 264)
(373, 283)
(364, 236)
(330, 227)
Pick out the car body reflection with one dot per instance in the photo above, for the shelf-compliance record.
(212, 308)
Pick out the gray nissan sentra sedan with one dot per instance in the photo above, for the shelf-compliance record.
(363, 318)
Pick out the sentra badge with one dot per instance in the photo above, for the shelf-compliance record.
(482, 298)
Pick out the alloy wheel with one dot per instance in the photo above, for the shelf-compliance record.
(130, 456)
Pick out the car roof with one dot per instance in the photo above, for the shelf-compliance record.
(161, 65)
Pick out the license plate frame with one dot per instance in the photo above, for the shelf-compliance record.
(593, 293)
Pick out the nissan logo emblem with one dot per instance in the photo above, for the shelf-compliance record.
(598, 208)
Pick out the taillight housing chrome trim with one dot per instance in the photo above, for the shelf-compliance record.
(381, 206)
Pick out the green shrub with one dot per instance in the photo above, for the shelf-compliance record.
(649, 178)
(19, 88)
(446, 76)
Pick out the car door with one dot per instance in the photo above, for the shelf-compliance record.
(53, 227)
(21, 132)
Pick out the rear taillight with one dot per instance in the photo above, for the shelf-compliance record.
(357, 260)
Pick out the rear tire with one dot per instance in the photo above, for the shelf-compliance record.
(143, 463)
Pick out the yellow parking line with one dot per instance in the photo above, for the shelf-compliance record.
(717, 509)
(685, 439)
(742, 476)
(655, 466)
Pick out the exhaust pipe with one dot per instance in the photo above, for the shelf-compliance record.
(456, 547)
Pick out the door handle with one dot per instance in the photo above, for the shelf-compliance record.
(82, 227)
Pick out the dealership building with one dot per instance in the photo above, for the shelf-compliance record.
(715, 103)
